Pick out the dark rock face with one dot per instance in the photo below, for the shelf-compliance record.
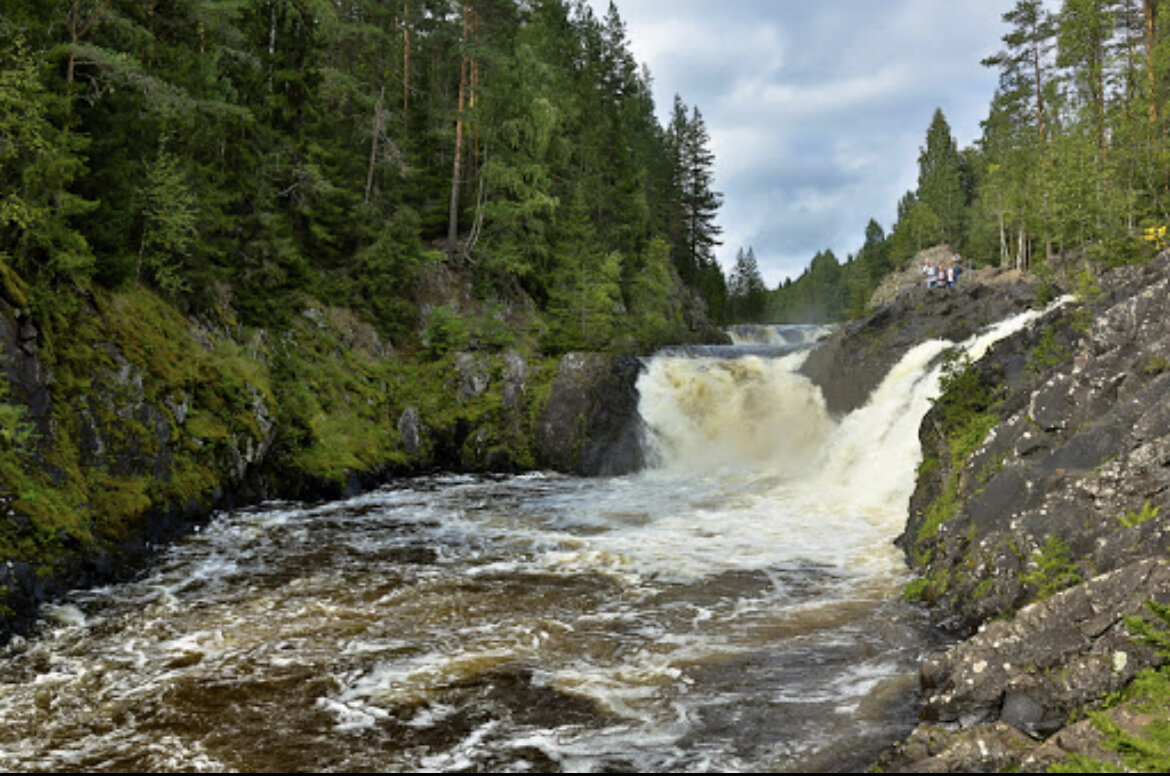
(590, 424)
(1068, 490)
(1053, 657)
(1083, 437)
(853, 361)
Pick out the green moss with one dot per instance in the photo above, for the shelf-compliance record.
(206, 426)
(940, 511)
(929, 464)
(927, 588)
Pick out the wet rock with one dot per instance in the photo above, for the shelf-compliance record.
(984, 749)
(409, 428)
(852, 361)
(1034, 670)
(473, 376)
(515, 380)
(590, 424)
(1067, 491)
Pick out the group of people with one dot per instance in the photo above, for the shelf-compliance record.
(943, 274)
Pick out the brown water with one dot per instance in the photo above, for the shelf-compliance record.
(737, 611)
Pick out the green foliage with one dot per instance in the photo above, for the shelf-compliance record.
(1052, 571)
(1153, 634)
(1087, 293)
(747, 294)
(1146, 750)
(38, 165)
(965, 401)
(1132, 518)
(940, 211)
(444, 331)
(168, 222)
(1048, 353)
(942, 509)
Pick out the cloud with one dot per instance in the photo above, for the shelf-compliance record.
(816, 111)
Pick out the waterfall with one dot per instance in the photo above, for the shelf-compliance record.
(760, 417)
(733, 608)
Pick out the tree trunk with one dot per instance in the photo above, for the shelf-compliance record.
(1038, 71)
(1004, 252)
(453, 213)
(1151, 10)
(375, 133)
(405, 63)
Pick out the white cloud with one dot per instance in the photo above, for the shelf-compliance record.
(816, 110)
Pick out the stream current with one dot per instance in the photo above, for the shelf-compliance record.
(734, 607)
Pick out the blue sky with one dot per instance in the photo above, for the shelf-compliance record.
(816, 109)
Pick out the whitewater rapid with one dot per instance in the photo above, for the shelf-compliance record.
(735, 607)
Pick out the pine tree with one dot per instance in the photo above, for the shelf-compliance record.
(698, 202)
(1026, 84)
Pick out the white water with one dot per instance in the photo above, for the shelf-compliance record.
(734, 608)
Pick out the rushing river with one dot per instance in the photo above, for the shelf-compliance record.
(734, 608)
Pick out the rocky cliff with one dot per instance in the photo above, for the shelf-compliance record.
(1039, 533)
(850, 363)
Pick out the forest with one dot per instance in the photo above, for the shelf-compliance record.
(1073, 163)
(260, 153)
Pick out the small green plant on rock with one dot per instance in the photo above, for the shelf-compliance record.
(1053, 571)
(1132, 518)
(1048, 353)
(1146, 749)
(1156, 366)
(1087, 292)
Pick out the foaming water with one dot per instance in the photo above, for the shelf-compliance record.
(777, 334)
(734, 608)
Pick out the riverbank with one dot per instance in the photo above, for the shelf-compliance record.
(1037, 529)
(126, 423)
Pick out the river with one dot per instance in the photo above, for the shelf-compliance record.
(735, 607)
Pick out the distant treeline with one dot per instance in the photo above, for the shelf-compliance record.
(262, 151)
(1074, 158)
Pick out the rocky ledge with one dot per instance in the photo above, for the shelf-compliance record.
(1039, 533)
(852, 361)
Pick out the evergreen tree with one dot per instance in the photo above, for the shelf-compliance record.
(940, 186)
(698, 202)
(38, 164)
(747, 293)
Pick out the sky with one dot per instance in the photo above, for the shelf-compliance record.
(816, 109)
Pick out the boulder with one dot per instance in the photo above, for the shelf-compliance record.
(590, 423)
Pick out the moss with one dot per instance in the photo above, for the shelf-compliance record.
(147, 411)
(928, 588)
(940, 510)
(206, 426)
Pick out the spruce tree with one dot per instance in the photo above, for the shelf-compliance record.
(940, 186)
